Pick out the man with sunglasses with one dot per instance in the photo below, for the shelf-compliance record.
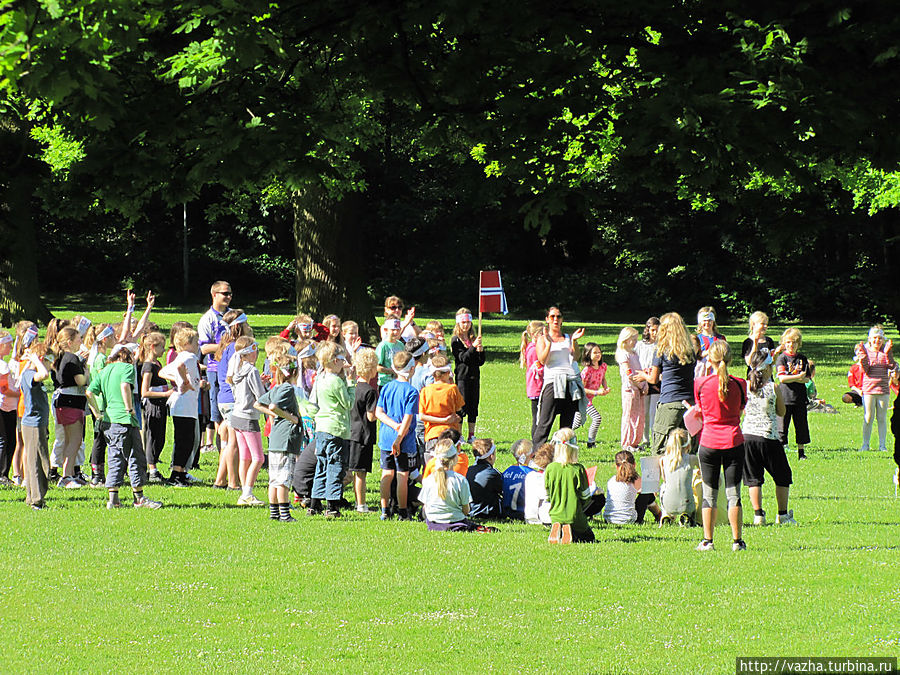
(211, 328)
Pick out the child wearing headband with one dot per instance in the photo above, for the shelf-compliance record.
(468, 353)
(439, 404)
(707, 330)
(286, 436)
(247, 387)
(333, 399)
(876, 359)
(398, 403)
(568, 491)
(236, 327)
(386, 350)
(485, 482)
(9, 399)
(763, 450)
(515, 477)
(445, 494)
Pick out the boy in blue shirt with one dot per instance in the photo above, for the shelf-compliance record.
(398, 403)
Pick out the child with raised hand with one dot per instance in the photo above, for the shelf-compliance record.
(116, 383)
(676, 471)
(468, 353)
(445, 494)
(363, 432)
(793, 370)
(514, 479)
(389, 346)
(247, 387)
(757, 340)
(633, 388)
(534, 369)
(184, 372)
(537, 506)
(877, 362)
(286, 437)
(568, 491)
(35, 425)
(763, 450)
(69, 378)
(393, 309)
(398, 403)
(155, 392)
(485, 482)
(593, 375)
(624, 501)
(331, 396)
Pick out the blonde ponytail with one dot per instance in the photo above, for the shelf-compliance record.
(720, 357)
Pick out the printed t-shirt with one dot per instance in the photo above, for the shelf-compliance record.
(514, 488)
(794, 393)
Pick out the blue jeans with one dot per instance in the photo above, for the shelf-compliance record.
(332, 455)
(125, 448)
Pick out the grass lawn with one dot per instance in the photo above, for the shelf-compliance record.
(202, 584)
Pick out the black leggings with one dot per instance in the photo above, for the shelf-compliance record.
(154, 433)
(7, 440)
(98, 449)
(471, 393)
(184, 441)
(548, 408)
(711, 461)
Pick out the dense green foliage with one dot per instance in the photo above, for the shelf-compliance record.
(635, 148)
(202, 584)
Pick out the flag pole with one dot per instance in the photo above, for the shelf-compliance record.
(479, 304)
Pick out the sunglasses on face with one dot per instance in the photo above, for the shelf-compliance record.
(395, 307)
(228, 293)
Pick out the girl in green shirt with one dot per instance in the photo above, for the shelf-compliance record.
(568, 491)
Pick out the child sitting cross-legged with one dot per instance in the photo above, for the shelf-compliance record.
(624, 501)
(676, 469)
(485, 482)
(445, 494)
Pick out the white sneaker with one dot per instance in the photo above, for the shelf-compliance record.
(705, 546)
(759, 520)
(249, 500)
(739, 545)
(786, 519)
(69, 483)
(896, 480)
(146, 503)
(362, 508)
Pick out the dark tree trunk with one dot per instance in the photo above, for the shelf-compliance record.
(330, 253)
(20, 296)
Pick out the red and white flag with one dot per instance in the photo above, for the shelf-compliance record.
(491, 297)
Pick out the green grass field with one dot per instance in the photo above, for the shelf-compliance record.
(204, 585)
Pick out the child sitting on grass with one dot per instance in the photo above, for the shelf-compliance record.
(676, 470)
(286, 435)
(514, 479)
(537, 507)
(485, 482)
(445, 494)
(624, 501)
(568, 491)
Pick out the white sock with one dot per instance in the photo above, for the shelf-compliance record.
(246, 491)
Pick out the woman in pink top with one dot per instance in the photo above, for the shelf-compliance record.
(721, 398)
(877, 362)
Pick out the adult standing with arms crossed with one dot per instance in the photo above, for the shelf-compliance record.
(556, 350)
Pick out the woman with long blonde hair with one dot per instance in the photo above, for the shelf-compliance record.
(673, 369)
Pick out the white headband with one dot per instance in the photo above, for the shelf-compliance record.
(572, 442)
(131, 346)
(442, 369)
(30, 334)
(240, 318)
(705, 316)
(490, 452)
(5, 339)
(462, 318)
(305, 327)
(392, 324)
(109, 331)
(83, 324)
(766, 363)
(249, 349)
(874, 331)
(405, 369)
(421, 350)
(427, 335)
(307, 351)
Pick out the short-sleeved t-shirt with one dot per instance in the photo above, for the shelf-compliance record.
(439, 400)
(385, 352)
(759, 414)
(185, 404)
(721, 419)
(514, 488)
(284, 436)
(34, 396)
(365, 399)
(794, 393)
(157, 383)
(110, 382)
(7, 377)
(210, 329)
(567, 486)
(486, 487)
(747, 345)
(398, 399)
(676, 382)
(331, 396)
(63, 375)
(225, 395)
(447, 510)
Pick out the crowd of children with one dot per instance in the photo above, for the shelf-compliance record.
(322, 392)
